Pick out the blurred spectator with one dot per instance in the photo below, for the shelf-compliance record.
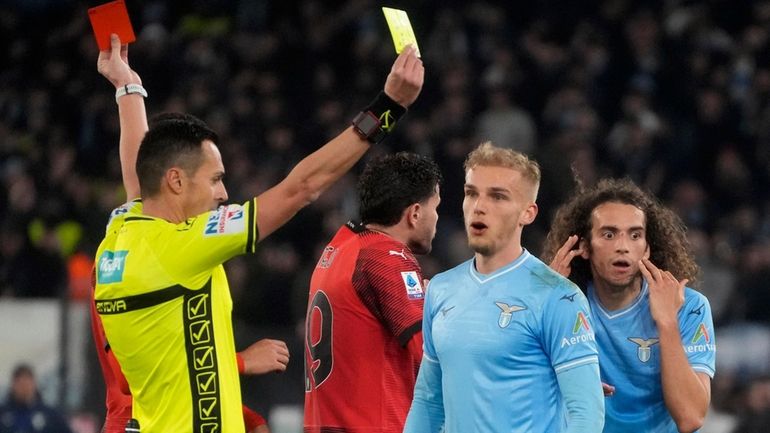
(504, 123)
(756, 417)
(25, 411)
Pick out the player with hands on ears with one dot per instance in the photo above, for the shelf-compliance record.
(655, 335)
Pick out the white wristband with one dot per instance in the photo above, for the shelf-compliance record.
(129, 89)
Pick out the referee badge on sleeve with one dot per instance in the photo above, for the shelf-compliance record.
(412, 284)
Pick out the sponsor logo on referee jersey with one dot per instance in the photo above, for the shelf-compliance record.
(644, 351)
(412, 284)
(106, 307)
(225, 220)
(110, 267)
(506, 313)
(203, 368)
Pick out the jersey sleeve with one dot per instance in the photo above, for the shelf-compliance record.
(118, 215)
(583, 398)
(568, 336)
(427, 411)
(428, 349)
(212, 238)
(697, 330)
(390, 285)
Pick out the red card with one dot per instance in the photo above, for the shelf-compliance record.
(111, 18)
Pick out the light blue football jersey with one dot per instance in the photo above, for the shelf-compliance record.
(494, 345)
(629, 355)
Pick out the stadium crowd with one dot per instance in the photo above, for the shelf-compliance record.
(673, 94)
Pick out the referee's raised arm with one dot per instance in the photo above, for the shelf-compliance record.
(316, 172)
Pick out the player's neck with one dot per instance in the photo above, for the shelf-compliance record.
(393, 231)
(614, 297)
(157, 207)
(489, 263)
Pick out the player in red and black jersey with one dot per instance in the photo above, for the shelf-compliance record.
(364, 318)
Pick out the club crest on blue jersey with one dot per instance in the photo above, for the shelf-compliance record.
(643, 351)
(110, 267)
(507, 313)
(412, 284)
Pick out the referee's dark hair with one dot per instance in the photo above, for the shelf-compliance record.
(174, 139)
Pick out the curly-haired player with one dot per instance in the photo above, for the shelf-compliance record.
(630, 255)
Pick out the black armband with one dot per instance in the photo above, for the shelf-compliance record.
(378, 119)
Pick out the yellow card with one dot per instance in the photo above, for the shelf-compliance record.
(400, 29)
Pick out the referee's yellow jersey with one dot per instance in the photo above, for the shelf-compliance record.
(163, 297)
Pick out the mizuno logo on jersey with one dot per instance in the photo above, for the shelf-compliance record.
(110, 267)
(507, 313)
(570, 298)
(225, 220)
(644, 352)
(397, 253)
(412, 284)
(697, 311)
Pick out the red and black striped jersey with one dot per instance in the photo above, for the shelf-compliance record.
(365, 305)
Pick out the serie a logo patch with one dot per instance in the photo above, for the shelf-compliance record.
(413, 285)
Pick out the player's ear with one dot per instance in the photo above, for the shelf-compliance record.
(647, 252)
(412, 214)
(529, 214)
(583, 244)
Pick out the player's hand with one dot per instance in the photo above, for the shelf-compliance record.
(113, 64)
(265, 356)
(562, 261)
(608, 389)
(666, 293)
(406, 77)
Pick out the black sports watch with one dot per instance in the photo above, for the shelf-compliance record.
(368, 126)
